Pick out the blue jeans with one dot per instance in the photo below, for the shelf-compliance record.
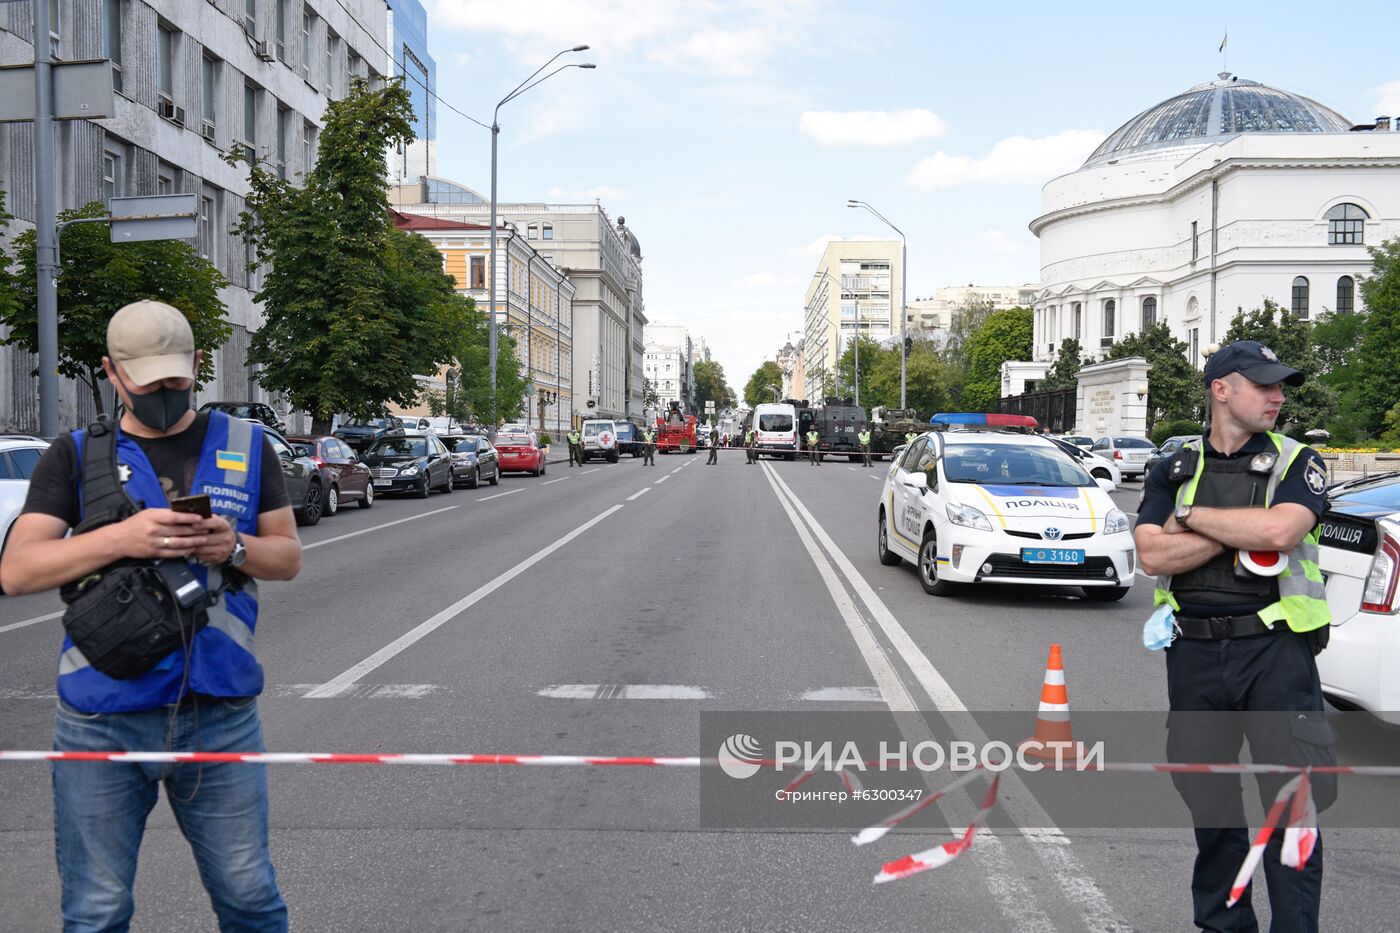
(100, 812)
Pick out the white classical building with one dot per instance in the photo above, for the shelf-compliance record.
(669, 364)
(1210, 202)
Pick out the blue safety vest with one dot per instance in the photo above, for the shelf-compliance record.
(222, 662)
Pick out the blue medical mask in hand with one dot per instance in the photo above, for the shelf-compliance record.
(1159, 630)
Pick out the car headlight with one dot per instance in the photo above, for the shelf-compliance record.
(409, 471)
(968, 517)
(1115, 522)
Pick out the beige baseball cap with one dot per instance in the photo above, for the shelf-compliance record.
(152, 341)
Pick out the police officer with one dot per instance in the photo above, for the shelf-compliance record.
(864, 438)
(812, 451)
(910, 437)
(714, 445)
(1245, 641)
(750, 453)
(575, 454)
(649, 447)
(199, 696)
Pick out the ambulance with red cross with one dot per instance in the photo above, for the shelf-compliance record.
(976, 502)
(599, 440)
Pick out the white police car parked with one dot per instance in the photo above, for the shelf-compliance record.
(980, 505)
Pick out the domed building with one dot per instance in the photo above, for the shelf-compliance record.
(1212, 201)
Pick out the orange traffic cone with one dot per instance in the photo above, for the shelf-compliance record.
(1053, 738)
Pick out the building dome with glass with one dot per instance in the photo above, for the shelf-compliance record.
(1212, 201)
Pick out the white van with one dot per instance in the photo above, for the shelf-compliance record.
(599, 440)
(776, 427)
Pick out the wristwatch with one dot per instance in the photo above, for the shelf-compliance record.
(240, 551)
(1183, 515)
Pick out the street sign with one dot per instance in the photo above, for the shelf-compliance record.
(710, 406)
(81, 91)
(155, 217)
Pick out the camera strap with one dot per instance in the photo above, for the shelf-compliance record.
(105, 501)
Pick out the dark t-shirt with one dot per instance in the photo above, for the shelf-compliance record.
(53, 488)
(1305, 483)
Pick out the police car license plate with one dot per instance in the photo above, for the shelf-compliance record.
(1051, 555)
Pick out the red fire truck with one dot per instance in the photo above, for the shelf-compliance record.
(676, 432)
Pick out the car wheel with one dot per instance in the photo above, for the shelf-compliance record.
(1105, 594)
(476, 478)
(311, 508)
(423, 489)
(882, 545)
(543, 466)
(928, 567)
(614, 458)
(449, 485)
(1101, 474)
(332, 500)
(367, 500)
(496, 475)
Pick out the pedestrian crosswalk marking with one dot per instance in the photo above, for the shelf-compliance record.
(624, 692)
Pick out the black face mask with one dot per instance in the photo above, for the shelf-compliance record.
(160, 409)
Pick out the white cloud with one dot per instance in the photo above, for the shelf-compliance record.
(461, 59)
(596, 193)
(871, 127)
(1016, 159)
(730, 53)
(818, 246)
(563, 23)
(999, 243)
(767, 280)
(1388, 99)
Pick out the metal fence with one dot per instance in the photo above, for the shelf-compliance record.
(1054, 409)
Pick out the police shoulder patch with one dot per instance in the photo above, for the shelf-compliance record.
(1315, 476)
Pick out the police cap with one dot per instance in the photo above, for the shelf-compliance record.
(1252, 360)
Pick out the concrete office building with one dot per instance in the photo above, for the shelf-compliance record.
(855, 288)
(604, 261)
(193, 81)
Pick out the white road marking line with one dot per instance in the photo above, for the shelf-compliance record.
(639, 494)
(851, 468)
(365, 531)
(34, 621)
(624, 692)
(874, 477)
(594, 470)
(677, 469)
(662, 480)
(1013, 896)
(559, 480)
(499, 494)
(1052, 846)
(844, 695)
(344, 681)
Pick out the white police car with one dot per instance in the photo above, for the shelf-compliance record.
(975, 504)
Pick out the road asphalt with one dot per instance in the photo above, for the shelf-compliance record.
(601, 611)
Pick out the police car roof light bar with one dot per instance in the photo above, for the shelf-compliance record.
(995, 420)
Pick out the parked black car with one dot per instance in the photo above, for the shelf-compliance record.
(629, 438)
(307, 483)
(248, 411)
(360, 433)
(473, 459)
(1169, 446)
(415, 465)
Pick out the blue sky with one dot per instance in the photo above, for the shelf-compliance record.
(730, 134)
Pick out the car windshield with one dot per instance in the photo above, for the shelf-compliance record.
(1384, 494)
(366, 423)
(235, 409)
(466, 445)
(400, 447)
(775, 422)
(593, 430)
(513, 440)
(1011, 465)
(1135, 442)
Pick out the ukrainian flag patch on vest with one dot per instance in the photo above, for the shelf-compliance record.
(231, 460)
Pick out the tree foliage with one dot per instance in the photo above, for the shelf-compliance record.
(765, 385)
(870, 356)
(1174, 387)
(710, 385)
(1004, 335)
(1310, 405)
(353, 308)
(96, 278)
(1377, 372)
(9, 300)
(1068, 362)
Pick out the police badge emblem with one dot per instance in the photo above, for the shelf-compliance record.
(1268, 354)
(1315, 478)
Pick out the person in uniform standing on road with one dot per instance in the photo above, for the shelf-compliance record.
(910, 437)
(750, 453)
(714, 446)
(1244, 642)
(575, 455)
(864, 438)
(649, 447)
(200, 695)
(812, 451)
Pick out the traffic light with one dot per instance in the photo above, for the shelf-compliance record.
(908, 345)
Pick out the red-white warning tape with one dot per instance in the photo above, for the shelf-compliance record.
(334, 758)
(941, 854)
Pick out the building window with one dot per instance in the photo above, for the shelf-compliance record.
(306, 17)
(308, 148)
(1195, 345)
(1078, 320)
(207, 94)
(111, 176)
(55, 28)
(279, 27)
(547, 231)
(1110, 312)
(1195, 242)
(1300, 298)
(1149, 312)
(112, 39)
(478, 272)
(206, 228)
(532, 232)
(250, 17)
(1346, 225)
(1346, 295)
(165, 69)
(282, 120)
(331, 41)
(250, 121)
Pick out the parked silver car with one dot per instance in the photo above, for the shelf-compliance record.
(1130, 453)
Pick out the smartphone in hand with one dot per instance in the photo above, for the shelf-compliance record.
(195, 505)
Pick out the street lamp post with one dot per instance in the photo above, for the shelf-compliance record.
(903, 294)
(521, 88)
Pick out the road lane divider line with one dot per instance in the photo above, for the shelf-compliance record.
(499, 494)
(594, 470)
(344, 681)
(637, 495)
(1013, 896)
(559, 480)
(662, 480)
(1052, 845)
(34, 621)
(365, 531)
(624, 692)
(677, 469)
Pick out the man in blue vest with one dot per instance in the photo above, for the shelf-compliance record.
(1229, 526)
(201, 697)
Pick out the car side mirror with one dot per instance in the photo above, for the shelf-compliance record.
(1107, 485)
(915, 480)
(301, 450)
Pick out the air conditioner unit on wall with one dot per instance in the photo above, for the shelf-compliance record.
(208, 131)
(264, 51)
(165, 107)
(178, 118)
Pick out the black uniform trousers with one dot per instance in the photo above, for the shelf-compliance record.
(1213, 686)
(574, 456)
(714, 454)
(648, 454)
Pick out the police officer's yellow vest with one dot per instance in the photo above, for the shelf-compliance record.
(864, 437)
(909, 438)
(649, 436)
(748, 437)
(812, 437)
(1302, 601)
(573, 437)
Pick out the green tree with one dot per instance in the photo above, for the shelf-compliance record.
(651, 400)
(353, 308)
(1174, 387)
(709, 384)
(1068, 362)
(1004, 335)
(870, 354)
(765, 385)
(1310, 405)
(9, 300)
(967, 319)
(97, 277)
(1377, 383)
